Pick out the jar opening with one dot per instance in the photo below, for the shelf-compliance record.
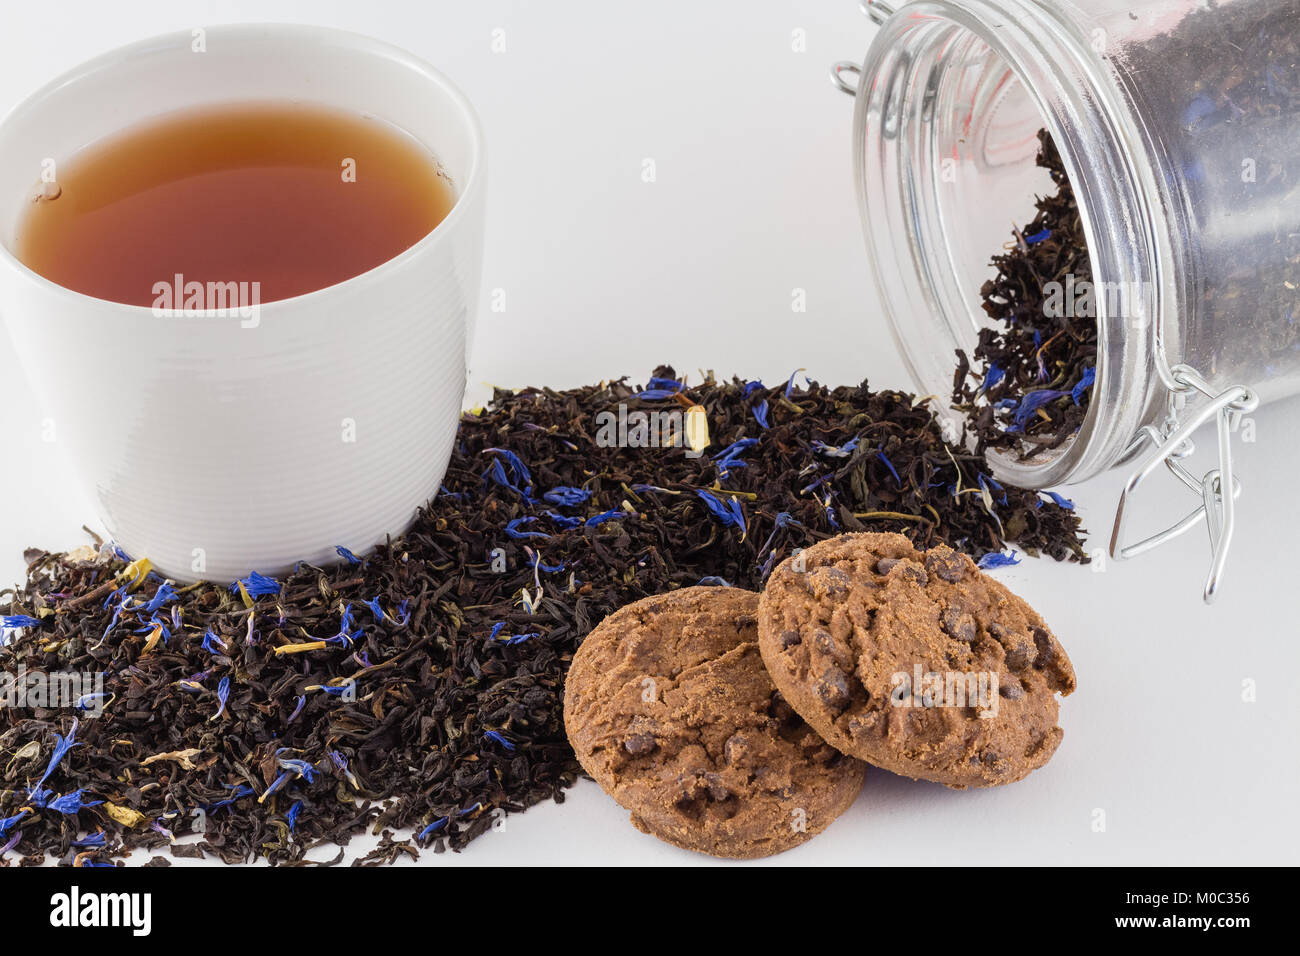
(946, 147)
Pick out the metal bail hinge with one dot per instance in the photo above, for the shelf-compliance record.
(1173, 443)
(878, 12)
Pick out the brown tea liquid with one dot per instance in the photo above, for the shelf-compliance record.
(292, 196)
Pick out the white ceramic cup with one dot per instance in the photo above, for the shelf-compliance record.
(213, 446)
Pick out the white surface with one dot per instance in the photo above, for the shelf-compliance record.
(605, 274)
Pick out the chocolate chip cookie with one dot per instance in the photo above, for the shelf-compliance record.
(914, 661)
(669, 708)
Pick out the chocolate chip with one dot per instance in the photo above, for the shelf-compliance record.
(885, 565)
(781, 711)
(717, 789)
(911, 571)
(638, 744)
(790, 639)
(736, 747)
(827, 582)
(958, 625)
(946, 564)
(1010, 688)
(1020, 651)
(832, 688)
(1045, 647)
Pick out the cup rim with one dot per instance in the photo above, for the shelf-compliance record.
(289, 31)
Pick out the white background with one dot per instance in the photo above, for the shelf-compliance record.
(606, 275)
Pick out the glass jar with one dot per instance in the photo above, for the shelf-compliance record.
(1179, 125)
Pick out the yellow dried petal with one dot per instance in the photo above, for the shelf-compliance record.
(134, 573)
(124, 815)
(697, 428)
(182, 757)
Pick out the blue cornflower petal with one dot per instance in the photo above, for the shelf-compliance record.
(816, 484)
(510, 640)
(995, 559)
(71, 803)
(992, 377)
(986, 482)
(83, 702)
(61, 747)
(730, 513)
(760, 413)
(301, 767)
(291, 817)
(276, 784)
(15, 622)
(729, 457)
(512, 528)
(243, 790)
(836, 451)
(257, 585)
(567, 496)
(223, 694)
(1032, 402)
(655, 394)
(1085, 383)
(564, 521)
(509, 471)
(347, 555)
(736, 448)
(889, 464)
(341, 763)
(668, 384)
(1038, 237)
(493, 735)
(713, 581)
(604, 516)
(211, 643)
(164, 594)
(1065, 503)
(433, 827)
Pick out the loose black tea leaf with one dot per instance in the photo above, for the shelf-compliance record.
(420, 688)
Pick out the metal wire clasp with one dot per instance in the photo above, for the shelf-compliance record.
(878, 13)
(1172, 441)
